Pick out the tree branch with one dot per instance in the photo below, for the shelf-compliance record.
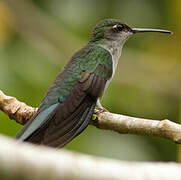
(25, 161)
(16, 110)
(21, 112)
(131, 125)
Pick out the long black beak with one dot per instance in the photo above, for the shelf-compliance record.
(140, 30)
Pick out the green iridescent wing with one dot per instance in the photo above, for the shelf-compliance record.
(69, 104)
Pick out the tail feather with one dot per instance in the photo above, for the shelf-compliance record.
(58, 135)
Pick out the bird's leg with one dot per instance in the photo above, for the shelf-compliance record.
(100, 107)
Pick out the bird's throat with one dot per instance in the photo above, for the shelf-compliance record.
(115, 49)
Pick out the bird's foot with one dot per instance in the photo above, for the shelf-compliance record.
(102, 110)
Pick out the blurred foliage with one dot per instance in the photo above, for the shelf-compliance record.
(37, 37)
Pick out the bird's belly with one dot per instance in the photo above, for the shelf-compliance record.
(114, 66)
(115, 53)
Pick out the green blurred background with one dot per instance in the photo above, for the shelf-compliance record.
(37, 38)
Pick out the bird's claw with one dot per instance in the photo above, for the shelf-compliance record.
(102, 110)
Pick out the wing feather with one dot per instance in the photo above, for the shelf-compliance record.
(69, 104)
(32, 125)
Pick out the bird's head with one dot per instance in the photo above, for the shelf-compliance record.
(113, 30)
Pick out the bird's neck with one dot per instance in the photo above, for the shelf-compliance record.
(115, 49)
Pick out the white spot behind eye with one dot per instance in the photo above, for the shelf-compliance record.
(115, 26)
(118, 27)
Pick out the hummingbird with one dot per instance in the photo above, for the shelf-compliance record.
(69, 104)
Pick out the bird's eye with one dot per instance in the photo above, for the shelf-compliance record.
(118, 27)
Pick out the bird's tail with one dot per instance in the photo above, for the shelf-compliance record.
(58, 135)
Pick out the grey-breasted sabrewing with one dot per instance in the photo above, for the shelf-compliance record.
(69, 104)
